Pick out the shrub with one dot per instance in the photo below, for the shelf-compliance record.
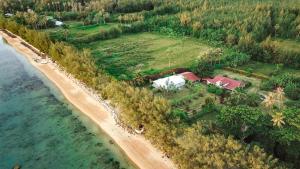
(234, 58)
(182, 115)
(280, 81)
(133, 28)
(242, 72)
(292, 91)
(215, 90)
(247, 84)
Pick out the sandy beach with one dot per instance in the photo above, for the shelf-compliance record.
(140, 151)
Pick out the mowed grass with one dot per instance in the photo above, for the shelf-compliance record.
(145, 52)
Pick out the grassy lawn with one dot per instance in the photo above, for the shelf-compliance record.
(145, 52)
(77, 29)
(190, 99)
(267, 68)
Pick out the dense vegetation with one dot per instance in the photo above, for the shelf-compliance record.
(239, 31)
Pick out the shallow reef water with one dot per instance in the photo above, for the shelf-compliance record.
(39, 129)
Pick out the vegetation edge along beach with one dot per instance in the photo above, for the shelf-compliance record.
(98, 114)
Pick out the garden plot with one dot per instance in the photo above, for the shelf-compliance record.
(127, 55)
(190, 100)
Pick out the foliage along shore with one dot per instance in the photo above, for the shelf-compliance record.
(190, 147)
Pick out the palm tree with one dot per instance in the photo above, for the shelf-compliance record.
(31, 18)
(43, 21)
(280, 93)
(185, 19)
(270, 100)
(277, 119)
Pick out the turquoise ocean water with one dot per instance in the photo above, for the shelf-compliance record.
(39, 129)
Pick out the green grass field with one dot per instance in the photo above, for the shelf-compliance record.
(77, 29)
(268, 69)
(145, 52)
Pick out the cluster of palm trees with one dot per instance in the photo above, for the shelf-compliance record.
(274, 102)
(33, 19)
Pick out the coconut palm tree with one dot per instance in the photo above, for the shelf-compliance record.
(277, 119)
(31, 18)
(43, 21)
(280, 93)
(270, 100)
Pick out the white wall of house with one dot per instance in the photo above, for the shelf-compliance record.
(169, 83)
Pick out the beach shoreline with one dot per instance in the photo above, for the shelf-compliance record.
(138, 150)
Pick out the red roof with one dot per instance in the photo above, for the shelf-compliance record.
(190, 76)
(225, 82)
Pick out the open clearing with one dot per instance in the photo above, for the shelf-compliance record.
(77, 29)
(268, 69)
(146, 53)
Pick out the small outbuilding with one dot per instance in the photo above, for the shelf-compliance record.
(59, 23)
(169, 83)
(190, 76)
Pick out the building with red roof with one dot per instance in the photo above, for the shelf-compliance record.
(190, 76)
(225, 82)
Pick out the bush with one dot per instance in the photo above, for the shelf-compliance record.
(182, 115)
(247, 84)
(290, 83)
(292, 91)
(234, 59)
(215, 90)
(133, 28)
(293, 103)
(67, 16)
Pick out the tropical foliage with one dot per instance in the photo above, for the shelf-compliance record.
(239, 31)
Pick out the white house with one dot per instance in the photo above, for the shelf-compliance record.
(169, 83)
(58, 23)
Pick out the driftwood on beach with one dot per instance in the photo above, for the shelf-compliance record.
(33, 49)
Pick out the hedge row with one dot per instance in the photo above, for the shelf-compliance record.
(243, 72)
